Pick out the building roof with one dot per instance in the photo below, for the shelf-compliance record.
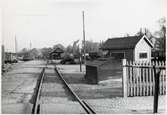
(123, 43)
(57, 50)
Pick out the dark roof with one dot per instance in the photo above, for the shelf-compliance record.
(57, 50)
(121, 43)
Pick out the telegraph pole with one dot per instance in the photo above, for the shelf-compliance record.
(30, 45)
(84, 47)
(16, 46)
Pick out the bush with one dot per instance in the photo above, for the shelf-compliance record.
(68, 59)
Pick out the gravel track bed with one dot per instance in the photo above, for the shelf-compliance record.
(53, 88)
(55, 94)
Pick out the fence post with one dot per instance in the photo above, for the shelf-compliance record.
(124, 78)
(157, 75)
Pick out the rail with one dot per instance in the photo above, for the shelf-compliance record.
(85, 105)
(36, 106)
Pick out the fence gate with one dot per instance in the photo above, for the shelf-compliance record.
(139, 78)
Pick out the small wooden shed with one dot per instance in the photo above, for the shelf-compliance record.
(136, 48)
(56, 53)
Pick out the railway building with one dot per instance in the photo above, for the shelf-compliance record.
(56, 53)
(136, 48)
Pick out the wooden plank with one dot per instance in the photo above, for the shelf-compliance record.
(143, 76)
(128, 69)
(163, 79)
(128, 81)
(153, 76)
(160, 79)
(160, 83)
(150, 81)
(147, 83)
(130, 78)
(128, 85)
(133, 76)
(140, 82)
(137, 82)
(125, 88)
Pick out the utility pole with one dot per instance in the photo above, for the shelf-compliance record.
(30, 45)
(80, 59)
(84, 47)
(16, 46)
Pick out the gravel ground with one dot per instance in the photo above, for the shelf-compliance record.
(127, 105)
(55, 97)
(71, 68)
(106, 97)
(18, 86)
(105, 89)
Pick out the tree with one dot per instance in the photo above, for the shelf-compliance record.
(92, 46)
(145, 31)
(45, 52)
(59, 46)
(35, 52)
(24, 50)
(160, 36)
(75, 48)
(69, 49)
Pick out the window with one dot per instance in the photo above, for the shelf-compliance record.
(142, 55)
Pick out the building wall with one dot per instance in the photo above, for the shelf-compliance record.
(3, 55)
(128, 53)
(142, 47)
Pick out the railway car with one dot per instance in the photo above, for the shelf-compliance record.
(10, 57)
(27, 56)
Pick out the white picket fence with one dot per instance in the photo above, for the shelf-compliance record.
(139, 78)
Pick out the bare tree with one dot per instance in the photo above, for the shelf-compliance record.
(76, 48)
(92, 46)
(160, 36)
(145, 31)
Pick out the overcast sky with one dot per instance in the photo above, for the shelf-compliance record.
(45, 23)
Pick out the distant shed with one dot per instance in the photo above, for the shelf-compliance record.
(56, 53)
(137, 48)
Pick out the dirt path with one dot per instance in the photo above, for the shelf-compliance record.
(18, 86)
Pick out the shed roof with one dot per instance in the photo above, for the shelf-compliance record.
(121, 43)
(57, 50)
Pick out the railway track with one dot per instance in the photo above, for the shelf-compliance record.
(36, 104)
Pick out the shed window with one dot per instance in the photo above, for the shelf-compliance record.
(142, 55)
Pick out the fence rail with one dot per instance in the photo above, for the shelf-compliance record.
(139, 78)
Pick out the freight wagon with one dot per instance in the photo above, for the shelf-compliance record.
(27, 56)
(10, 57)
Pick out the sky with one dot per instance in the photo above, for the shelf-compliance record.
(44, 23)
